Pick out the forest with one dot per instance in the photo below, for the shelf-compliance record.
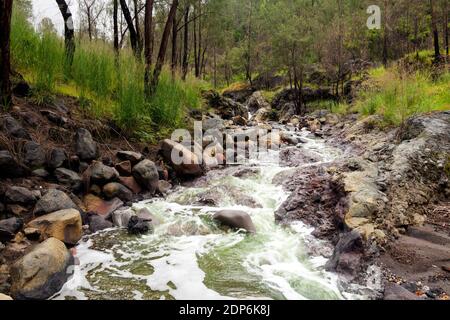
(321, 170)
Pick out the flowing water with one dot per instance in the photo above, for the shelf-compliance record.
(189, 256)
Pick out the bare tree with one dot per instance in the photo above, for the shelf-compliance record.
(116, 25)
(186, 41)
(68, 30)
(148, 40)
(434, 29)
(131, 28)
(5, 64)
(92, 9)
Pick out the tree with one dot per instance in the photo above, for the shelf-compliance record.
(46, 26)
(68, 30)
(434, 29)
(185, 63)
(163, 47)
(131, 28)
(148, 40)
(116, 25)
(91, 9)
(5, 63)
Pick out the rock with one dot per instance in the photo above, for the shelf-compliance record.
(9, 228)
(145, 215)
(10, 168)
(4, 297)
(32, 234)
(34, 155)
(20, 87)
(98, 223)
(42, 272)
(101, 174)
(133, 157)
(287, 112)
(257, 102)
(183, 160)
(240, 94)
(2, 207)
(116, 190)
(13, 128)
(131, 184)
(226, 108)
(85, 146)
(164, 187)
(53, 200)
(64, 225)
(54, 117)
(262, 115)
(69, 179)
(137, 226)
(146, 175)
(107, 161)
(20, 195)
(393, 291)
(124, 168)
(101, 207)
(213, 124)
(236, 219)
(40, 173)
(121, 218)
(19, 211)
(239, 121)
(289, 138)
(57, 158)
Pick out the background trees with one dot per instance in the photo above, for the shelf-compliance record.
(5, 64)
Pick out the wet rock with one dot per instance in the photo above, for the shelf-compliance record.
(64, 225)
(53, 200)
(146, 175)
(124, 168)
(292, 157)
(289, 138)
(69, 179)
(34, 155)
(98, 223)
(101, 207)
(117, 190)
(239, 121)
(213, 124)
(185, 162)
(263, 115)
(257, 102)
(57, 158)
(85, 146)
(40, 173)
(101, 174)
(163, 187)
(137, 226)
(145, 215)
(20, 195)
(10, 168)
(287, 112)
(121, 218)
(396, 292)
(13, 128)
(235, 219)
(9, 228)
(42, 272)
(133, 157)
(131, 184)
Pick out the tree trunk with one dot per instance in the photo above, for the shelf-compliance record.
(68, 31)
(446, 29)
(148, 37)
(163, 47)
(215, 68)
(131, 29)
(88, 11)
(385, 35)
(186, 43)
(5, 63)
(138, 28)
(437, 53)
(173, 65)
(116, 26)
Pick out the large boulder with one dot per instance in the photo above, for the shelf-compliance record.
(9, 228)
(235, 219)
(146, 174)
(226, 108)
(64, 225)
(42, 272)
(14, 129)
(117, 190)
(257, 102)
(20, 195)
(131, 184)
(133, 157)
(240, 94)
(53, 200)
(190, 164)
(101, 174)
(10, 167)
(69, 179)
(85, 146)
(34, 155)
(98, 223)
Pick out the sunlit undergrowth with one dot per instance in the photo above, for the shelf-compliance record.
(106, 86)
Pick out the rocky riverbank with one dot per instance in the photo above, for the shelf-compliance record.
(383, 203)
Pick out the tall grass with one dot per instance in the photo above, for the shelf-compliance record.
(113, 86)
(397, 95)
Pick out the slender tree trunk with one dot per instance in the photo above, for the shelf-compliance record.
(437, 53)
(195, 50)
(138, 27)
(215, 67)
(131, 29)
(163, 47)
(116, 26)
(148, 37)
(5, 63)
(68, 31)
(173, 65)
(446, 9)
(385, 35)
(248, 67)
(88, 11)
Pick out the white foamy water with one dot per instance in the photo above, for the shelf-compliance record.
(189, 256)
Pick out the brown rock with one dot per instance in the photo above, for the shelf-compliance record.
(101, 207)
(124, 168)
(114, 189)
(64, 225)
(131, 184)
(133, 157)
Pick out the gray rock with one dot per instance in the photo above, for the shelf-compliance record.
(98, 223)
(117, 190)
(69, 179)
(9, 228)
(41, 173)
(137, 226)
(57, 158)
(34, 155)
(85, 146)
(101, 174)
(213, 123)
(19, 195)
(54, 200)
(146, 174)
(235, 219)
(396, 292)
(13, 128)
(257, 102)
(10, 168)
(121, 218)
(133, 157)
